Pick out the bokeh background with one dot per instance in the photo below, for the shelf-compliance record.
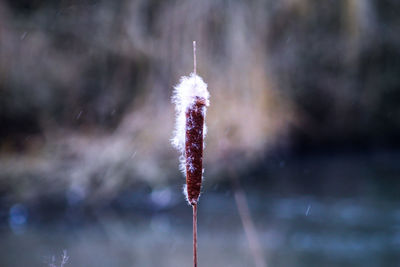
(302, 162)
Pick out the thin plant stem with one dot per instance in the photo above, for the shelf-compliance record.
(247, 221)
(194, 58)
(194, 235)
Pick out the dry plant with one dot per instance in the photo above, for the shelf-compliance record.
(64, 260)
(191, 99)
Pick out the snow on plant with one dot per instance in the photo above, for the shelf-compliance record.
(191, 100)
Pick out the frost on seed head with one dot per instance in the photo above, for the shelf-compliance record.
(190, 96)
(184, 96)
(185, 193)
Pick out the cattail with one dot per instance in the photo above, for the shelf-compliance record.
(194, 148)
(191, 99)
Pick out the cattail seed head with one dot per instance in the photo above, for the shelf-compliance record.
(194, 149)
(191, 99)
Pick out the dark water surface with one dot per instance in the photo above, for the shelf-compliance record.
(298, 231)
(154, 229)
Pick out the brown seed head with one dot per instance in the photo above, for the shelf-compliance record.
(194, 149)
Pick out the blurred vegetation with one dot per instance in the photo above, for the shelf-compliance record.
(85, 85)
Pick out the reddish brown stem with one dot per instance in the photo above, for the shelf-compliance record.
(194, 235)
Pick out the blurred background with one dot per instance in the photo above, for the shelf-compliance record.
(302, 161)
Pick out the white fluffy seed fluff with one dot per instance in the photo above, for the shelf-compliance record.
(184, 96)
